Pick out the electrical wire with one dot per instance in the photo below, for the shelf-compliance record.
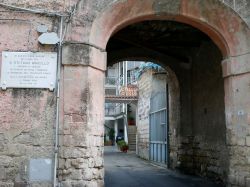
(243, 54)
(35, 11)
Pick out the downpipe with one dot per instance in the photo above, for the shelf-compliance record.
(59, 61)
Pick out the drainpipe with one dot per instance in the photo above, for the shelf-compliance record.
(116, 129)
(125, 125)
(59, 61)
(119, 78)
(125, 69)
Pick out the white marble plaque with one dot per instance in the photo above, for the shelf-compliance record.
(28, 70)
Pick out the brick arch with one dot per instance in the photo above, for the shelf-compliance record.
(228, 31)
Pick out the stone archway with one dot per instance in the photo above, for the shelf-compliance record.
(227, 30)
(190, 135)
(221, 24)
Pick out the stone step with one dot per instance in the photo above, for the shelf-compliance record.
(131, 140)
(131, 129)
(132, 148)
(133, 143)
(131, 134)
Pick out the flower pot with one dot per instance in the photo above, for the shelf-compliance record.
(131, 122)
(124, 149)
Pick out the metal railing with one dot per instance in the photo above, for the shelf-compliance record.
(111, 81)
(113, 109)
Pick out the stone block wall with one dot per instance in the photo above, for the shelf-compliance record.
(238, 135)
(143, 110)
(82, 133)
(204, 151)
(148, 84)
(26, 133)
(27, 117)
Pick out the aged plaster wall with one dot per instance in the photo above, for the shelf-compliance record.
(198, 141)
(209, 126)
(149, 84)
(26, 115)
(238, 129)
(145, 89)
(205, 149)
(81, 153)
(194, 146)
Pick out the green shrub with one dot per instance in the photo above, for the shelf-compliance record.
(122, 145)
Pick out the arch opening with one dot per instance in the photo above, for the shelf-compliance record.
(195, 60)
(225, 28)
(156, 86)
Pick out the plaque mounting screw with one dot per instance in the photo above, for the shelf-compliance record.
(4, 85)
(51, 88)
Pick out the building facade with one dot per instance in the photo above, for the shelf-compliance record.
(61, 131)
(121, 93)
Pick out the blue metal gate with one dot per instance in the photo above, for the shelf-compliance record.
(158, 135)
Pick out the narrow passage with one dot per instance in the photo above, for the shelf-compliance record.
(127, 170)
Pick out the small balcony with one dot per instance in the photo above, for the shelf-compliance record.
(129, 91)
(127, 94)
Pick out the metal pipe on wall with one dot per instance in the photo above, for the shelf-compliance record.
(59, 61)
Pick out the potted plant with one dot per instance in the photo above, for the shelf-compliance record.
(131, 121)
(123, 146)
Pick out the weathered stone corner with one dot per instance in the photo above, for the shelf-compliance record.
(83, 54)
